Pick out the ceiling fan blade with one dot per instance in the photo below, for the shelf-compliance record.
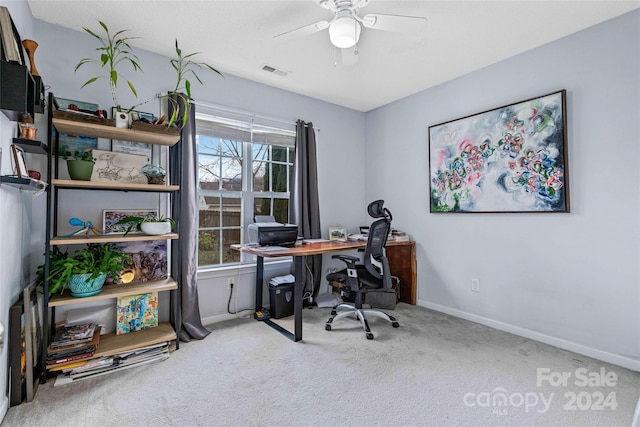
(398, 23)
(303, 31)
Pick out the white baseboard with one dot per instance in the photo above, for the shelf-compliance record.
(615, 359)
(4, 407)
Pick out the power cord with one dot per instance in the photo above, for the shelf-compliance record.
(235, 313)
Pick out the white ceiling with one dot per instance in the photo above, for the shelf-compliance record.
(236, 37)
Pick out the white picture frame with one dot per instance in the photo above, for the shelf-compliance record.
(111, 166)
(338, 233)
(20, 161)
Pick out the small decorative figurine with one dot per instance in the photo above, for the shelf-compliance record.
(85, 227)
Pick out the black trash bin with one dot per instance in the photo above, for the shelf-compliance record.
(281, 300)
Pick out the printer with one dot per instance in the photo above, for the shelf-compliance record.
(273, 234)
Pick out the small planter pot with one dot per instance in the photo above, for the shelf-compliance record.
(81, 285)
(122, 120)
(80, 169)
(156, 228)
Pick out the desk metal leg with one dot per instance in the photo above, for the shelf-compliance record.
(259, 282)
(297, 300)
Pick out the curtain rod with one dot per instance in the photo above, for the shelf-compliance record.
(225, 109)
(245, 113)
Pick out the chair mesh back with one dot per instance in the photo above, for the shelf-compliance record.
(376, 242)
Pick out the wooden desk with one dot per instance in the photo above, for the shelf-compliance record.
(402, 263)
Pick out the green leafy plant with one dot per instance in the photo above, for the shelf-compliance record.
(135, 222)
(95, 259)
(113, 50)
(85, 155)
(185, 68)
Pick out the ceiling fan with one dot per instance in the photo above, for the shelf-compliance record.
(346, 25)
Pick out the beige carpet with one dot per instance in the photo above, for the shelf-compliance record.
(435, 370)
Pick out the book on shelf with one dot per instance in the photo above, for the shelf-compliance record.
(9, 43)
(95, 339)
(71, 356)
(108, 364)
(76, 334)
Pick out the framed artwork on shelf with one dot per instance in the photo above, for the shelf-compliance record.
(111, 216)
(338, 233)
(148, 260)
(508, 159)
(20, 161)
(73, 143)
(17, 354)
(118, 167)
(33, 332)
(136, 312)
(132, 147)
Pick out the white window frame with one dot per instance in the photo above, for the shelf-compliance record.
(247, 196)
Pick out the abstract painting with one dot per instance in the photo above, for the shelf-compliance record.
(136, 312)
(509, 159)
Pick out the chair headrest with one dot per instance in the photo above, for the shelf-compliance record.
(377, 210)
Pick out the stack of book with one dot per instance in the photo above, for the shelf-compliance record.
(107, 364)
(72, 344)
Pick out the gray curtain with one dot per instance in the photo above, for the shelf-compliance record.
(304, 209)
(183, 160)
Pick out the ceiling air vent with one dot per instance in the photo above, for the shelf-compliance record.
(274, 70)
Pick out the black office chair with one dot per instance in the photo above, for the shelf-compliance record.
(372, 276)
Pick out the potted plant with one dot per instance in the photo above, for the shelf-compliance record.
(86, 270)
(80, 164)
(153, 226)
(113, 50)
(180, 95)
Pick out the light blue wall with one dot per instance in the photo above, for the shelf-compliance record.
(568, 279)
(339, 130)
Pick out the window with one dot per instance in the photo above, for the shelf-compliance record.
(244, 169)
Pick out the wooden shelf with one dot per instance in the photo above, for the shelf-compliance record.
(115, 291)
(111, 344)
(109, 238)
(26, 184)
(31, 146)
(109, 132)
(124, 186)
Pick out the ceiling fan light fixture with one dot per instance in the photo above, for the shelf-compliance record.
(344, 32)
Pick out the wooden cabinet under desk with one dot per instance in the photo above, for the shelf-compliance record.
(402, 263)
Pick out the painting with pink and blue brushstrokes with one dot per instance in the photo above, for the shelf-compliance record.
(509, 159)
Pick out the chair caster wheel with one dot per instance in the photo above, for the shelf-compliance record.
(369, 336)
(333, 312)
(395, 324)
(327, 327)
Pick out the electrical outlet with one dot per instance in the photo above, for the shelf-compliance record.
(475, 285)
(230, 281)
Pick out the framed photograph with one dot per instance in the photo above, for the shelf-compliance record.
(132, 147)
(509, 159)
(111, 216)
(148, 260)
(338, 233)
(73, 143)
(118, 167)
(20, 161)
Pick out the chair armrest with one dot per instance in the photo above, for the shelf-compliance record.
(348, 259)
